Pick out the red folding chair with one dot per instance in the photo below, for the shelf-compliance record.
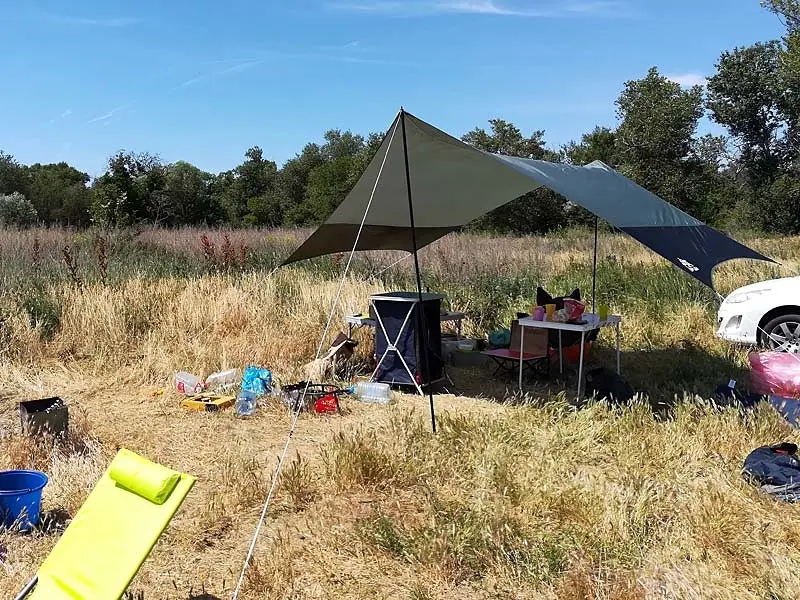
(535, 358)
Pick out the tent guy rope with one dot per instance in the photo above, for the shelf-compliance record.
(296, 412)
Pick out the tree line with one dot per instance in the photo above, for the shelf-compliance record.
(747, 178)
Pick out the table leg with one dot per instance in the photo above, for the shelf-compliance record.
(350, 330)
(618, 368)
(580, 368)
(458, 329)
(521, 341)
(560, 354)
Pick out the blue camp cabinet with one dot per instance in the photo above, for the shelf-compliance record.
(408, 338)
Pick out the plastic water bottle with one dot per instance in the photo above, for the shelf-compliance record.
(372, 392)
(245, 404)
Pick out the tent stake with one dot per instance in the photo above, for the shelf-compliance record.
(422, 325)
(594, 265)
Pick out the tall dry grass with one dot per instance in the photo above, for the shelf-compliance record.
(535, 500)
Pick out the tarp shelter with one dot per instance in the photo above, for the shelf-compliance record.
(452, 184)
(423, 184)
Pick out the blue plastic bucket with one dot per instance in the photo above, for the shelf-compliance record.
(21, 498)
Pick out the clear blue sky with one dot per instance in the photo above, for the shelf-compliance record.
(204, 80)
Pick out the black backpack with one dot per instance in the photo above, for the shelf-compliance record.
(607, 385)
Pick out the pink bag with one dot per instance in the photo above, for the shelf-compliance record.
(574, 308)
(775, 373)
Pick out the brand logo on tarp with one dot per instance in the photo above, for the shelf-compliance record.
(688, 266)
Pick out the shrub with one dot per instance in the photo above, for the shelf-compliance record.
(45, 312)
(17, 211)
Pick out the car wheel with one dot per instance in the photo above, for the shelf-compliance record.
(782, 334)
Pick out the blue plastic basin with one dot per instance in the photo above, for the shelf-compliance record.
(21, 498)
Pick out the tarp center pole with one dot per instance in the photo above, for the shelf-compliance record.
(594, 265)
(422, 323)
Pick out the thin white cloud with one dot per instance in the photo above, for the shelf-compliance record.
(341, 54)
(109, 114)
(514, 8)
(63, 115)
(239, 67)
(688, 79)
(93, 21)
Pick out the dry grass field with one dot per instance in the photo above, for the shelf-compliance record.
(516, 496)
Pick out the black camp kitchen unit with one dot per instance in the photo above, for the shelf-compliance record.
(401, 342)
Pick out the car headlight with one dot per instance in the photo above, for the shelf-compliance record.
(740, 297)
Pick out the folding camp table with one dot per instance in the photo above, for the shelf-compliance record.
(590, 323)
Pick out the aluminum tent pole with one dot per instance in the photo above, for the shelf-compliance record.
(420, 320)
(594, 265)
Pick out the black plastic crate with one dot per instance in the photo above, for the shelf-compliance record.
(48, 416)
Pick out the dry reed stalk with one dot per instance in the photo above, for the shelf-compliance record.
(71, 263)
(37, 254)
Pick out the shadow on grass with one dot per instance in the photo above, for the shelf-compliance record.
(665, 376)
(54, 521)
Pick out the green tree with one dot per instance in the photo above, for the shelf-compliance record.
(248, 193)
(188, 196)
(341, 162)
(506, 138)
(59, 194)
(16, 211)
(789, 12)
(655, 139)
(12, 175)
(748, 94)
(777, 207)
(536, 212)
(132, 190)
(292, 183)
(599, 144)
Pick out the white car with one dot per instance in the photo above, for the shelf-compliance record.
(764, 314)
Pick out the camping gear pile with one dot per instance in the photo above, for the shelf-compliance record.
(216, 391)
(775, 470)
(504, 343)
(311, 397)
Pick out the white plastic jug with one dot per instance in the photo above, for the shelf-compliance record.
(188, 384)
